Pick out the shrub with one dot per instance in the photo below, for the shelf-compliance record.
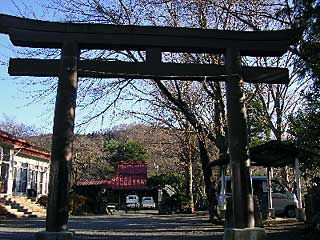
(4, 213)
(43, 200)
(77, 204)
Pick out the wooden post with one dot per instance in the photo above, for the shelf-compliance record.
(153, 56)
(269, 188)
(62, 139)
(298, 183)
(242, 200)
(300, 211)
(271, 210)
(223, 186)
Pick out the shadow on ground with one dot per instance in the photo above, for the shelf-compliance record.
(142, 227)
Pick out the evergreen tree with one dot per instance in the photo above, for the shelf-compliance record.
(129, 151)
(307, 18)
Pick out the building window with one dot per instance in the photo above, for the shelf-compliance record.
(4, 176)
(18, 177)
(34, 180)
(41, 182)
(24, 180)
(1, 153)
(22, 177)
(14, 179)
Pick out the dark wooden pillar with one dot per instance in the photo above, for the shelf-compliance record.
(242, 201)
(62, 139)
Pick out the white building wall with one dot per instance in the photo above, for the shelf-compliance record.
(33, 165)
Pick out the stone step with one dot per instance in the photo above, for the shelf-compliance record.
(30, 204)
(24, 207)
(36, 209)
(39, 212)
(13, 211)
(25, 213)
(21, 200)
(24, 200)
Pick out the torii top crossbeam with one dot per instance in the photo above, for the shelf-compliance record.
(42, 34)
(154, 40)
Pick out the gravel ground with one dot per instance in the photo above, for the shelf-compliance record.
(140, 226)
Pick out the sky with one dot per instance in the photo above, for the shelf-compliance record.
(15, 98)
(15, 102)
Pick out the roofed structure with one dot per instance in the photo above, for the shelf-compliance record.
(272, 154)
(24, 168)
(130, 176)
(23, 145)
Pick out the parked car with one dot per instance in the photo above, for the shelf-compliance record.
(148, 202)
(283, 201)
(132, 201)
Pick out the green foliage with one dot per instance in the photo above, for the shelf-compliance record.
(305, 129)
(177, 181)
(305, 125)
(257, 126)
(129, 151)
(307, 18)
(178, 201)
(133, 151)
(259, 130)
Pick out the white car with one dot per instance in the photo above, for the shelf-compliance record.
(284, 201)
(132, 201)
(148, 202)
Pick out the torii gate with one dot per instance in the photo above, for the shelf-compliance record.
(72, 37)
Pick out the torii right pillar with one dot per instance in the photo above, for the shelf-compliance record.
(242, 199)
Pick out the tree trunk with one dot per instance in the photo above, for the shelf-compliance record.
(189, 176)
(207, 175)
(187, 158)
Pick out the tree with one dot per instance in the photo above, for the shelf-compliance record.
(130, 151)
(305, 130)
(176, 183)
(11, 126)
(162, 144)
(307, 18)
(160, 181)
(88, 162)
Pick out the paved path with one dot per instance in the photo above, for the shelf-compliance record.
(139, 226)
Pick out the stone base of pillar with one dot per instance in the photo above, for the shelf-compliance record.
(271, 213)
(244, 234)
(301, 214)
(55, 236)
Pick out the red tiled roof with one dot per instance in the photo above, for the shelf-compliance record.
(93, 182)
(129, 183)
(24, 146)
(132, 169)
(130, 176)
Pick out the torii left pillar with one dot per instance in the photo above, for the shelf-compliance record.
(62, 140)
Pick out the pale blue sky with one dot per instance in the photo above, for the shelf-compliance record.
(15, 94)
